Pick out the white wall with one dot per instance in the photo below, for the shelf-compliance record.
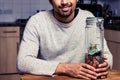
(10, 10)
(114, 6)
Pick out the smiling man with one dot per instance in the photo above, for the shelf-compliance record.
(59, 34)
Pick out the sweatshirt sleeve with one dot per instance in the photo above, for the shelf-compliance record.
(108, 54)
(27, 61)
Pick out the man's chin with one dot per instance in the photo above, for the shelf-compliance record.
(65, 14)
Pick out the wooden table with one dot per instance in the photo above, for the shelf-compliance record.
(113, 75)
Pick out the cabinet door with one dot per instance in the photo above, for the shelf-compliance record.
(117, 57)
(113, 48)
(8, 54)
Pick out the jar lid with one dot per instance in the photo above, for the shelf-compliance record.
(94, 19)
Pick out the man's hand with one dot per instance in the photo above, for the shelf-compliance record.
(81, 70)
(102, 69)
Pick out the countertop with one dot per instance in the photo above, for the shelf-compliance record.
(112, 27)
(18, 22)
(112, 23)
(8, 24)
(113, 75)
(12, 24)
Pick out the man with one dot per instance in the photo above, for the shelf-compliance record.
(60, 36)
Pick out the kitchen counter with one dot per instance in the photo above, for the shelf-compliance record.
(8, 24)
(18, 22)
(12, 24)
(113, 27)
(112, 23)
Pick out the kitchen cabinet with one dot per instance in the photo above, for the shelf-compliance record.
(9, 42)
(10, 77)
(113, 41)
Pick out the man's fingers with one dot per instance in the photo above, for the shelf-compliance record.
(89, 74)
(102, 67)
(104, 64)
(88, 67)
(88, 71)
(83, 77)
(103, 73)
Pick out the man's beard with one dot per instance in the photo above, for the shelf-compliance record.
(65, 13)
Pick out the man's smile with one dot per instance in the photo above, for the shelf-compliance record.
(65, 9)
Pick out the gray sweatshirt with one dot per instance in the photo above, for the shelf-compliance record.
(58, 43)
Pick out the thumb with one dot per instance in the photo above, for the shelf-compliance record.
(104, 57)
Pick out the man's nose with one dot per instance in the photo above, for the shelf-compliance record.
(64, 1)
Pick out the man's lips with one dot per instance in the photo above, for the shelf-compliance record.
(65, 9)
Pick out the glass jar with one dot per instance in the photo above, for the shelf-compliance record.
(94, 41)
(94, 34)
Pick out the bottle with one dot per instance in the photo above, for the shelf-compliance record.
(94, 41)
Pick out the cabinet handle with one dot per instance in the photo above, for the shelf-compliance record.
(9, 31)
